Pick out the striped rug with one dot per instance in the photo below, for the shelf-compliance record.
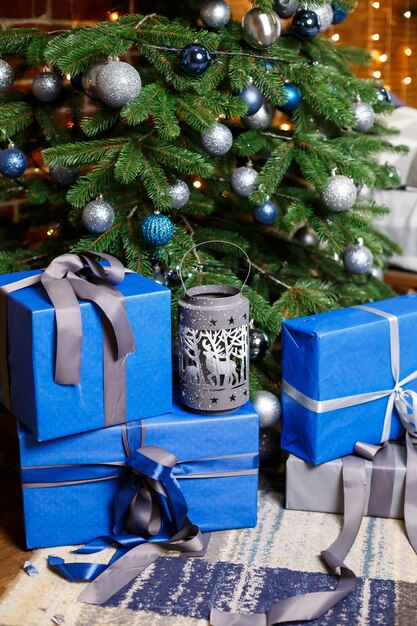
(243, 570)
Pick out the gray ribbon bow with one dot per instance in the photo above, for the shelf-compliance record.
(65, 280)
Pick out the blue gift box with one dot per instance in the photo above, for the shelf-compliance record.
(70, 484)
(345, 353)
(50, 410)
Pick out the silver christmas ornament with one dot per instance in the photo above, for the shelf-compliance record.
(218, 140)
(307, 237)
(179, 193)
(215, 13)
(89, 79)
(62, 175)
(6, 76)
(269, 446)
(214, 356)
(358, 259)
(118, 83)
(97, 216)
(378, 272)
(286, 8)
(262, 119)
(325, 15)
(365, 116)
(46, 86)
(243, 180)
(340, 193)
(268, 407)
(261, 29)
(258, 344)
(160, 278)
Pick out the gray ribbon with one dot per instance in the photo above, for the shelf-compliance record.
(404, 400)
(65, 281)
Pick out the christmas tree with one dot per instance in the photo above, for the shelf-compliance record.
(205, 130)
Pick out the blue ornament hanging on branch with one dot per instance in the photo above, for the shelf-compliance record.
(252, 97)
(266, 213)
(12, 162)
(293, 98)
(384, 95)
(195, 59)
(340, 13)
(306, 24)
(157, 229)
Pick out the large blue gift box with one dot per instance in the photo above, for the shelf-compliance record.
(347, 377)
(70, 484)
(51, 410)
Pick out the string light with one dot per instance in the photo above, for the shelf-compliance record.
(285, 126)
(376, 74)
(336, 37)
(407, 14)
(407, 51)
(407, 80)
(197, 183)
(50, 232)
(113, 16)
(375, 37)
(383, 58)
(376, 5)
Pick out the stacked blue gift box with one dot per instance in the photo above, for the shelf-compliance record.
(74, 460)
(348, 378)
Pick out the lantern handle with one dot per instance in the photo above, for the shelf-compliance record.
(230, 243)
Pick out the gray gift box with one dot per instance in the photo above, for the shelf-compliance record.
(320, 488)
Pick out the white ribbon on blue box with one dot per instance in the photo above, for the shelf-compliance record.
(349, 375)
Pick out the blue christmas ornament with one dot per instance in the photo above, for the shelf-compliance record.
(12, 162)
(265, 213)
(77, 82)
(306, 24)
(195, 59)
(157, 230)
(253, 98)
(293, 98)
(340, 13)
(383, 95)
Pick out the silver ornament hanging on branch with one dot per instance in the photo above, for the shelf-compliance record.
(179, 193)
(340, 193)
(262, 119)
(358, 259)
(365, 116)
(268, 407)
(325, 15)
(97, 216)
(260, 29)
(89, 79)
(218, 140)
(118, 83)
(215, 13)
(286, 8)
(258, 344)
(213, 334)
(307, 237)
(243, 180)
(62, 175)
(46, 86)
(6, 76)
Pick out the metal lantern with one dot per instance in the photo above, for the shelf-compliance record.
(214, 346)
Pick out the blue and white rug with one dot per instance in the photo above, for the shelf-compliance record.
(243, 570)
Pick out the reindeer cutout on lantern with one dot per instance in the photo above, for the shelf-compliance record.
(219, 365)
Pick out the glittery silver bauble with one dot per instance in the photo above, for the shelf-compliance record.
(215, 13)
(340, 193)
(89, 79)
(365, 116)
(217, 141)
(307, 237)
(243, 180)
(97, 216)
(261, 29)
(258, 344)
(378, 272)
(6, 76)
(268, 407)
(358, 259)
(286, 8)
(160, 278)
(179, 194)
(118, 83)
(325, 15)
(269, 447)
(262, 119)
(62, 175)
(46, 86)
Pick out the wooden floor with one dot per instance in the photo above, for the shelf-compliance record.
(12, 552)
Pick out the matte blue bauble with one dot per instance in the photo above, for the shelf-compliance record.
(306, 24)
(12, 162)
(157, 230)
(265, 213)
(293, 98)
(340, 13)
(253, 98)
(383, 95)
(195, 59)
